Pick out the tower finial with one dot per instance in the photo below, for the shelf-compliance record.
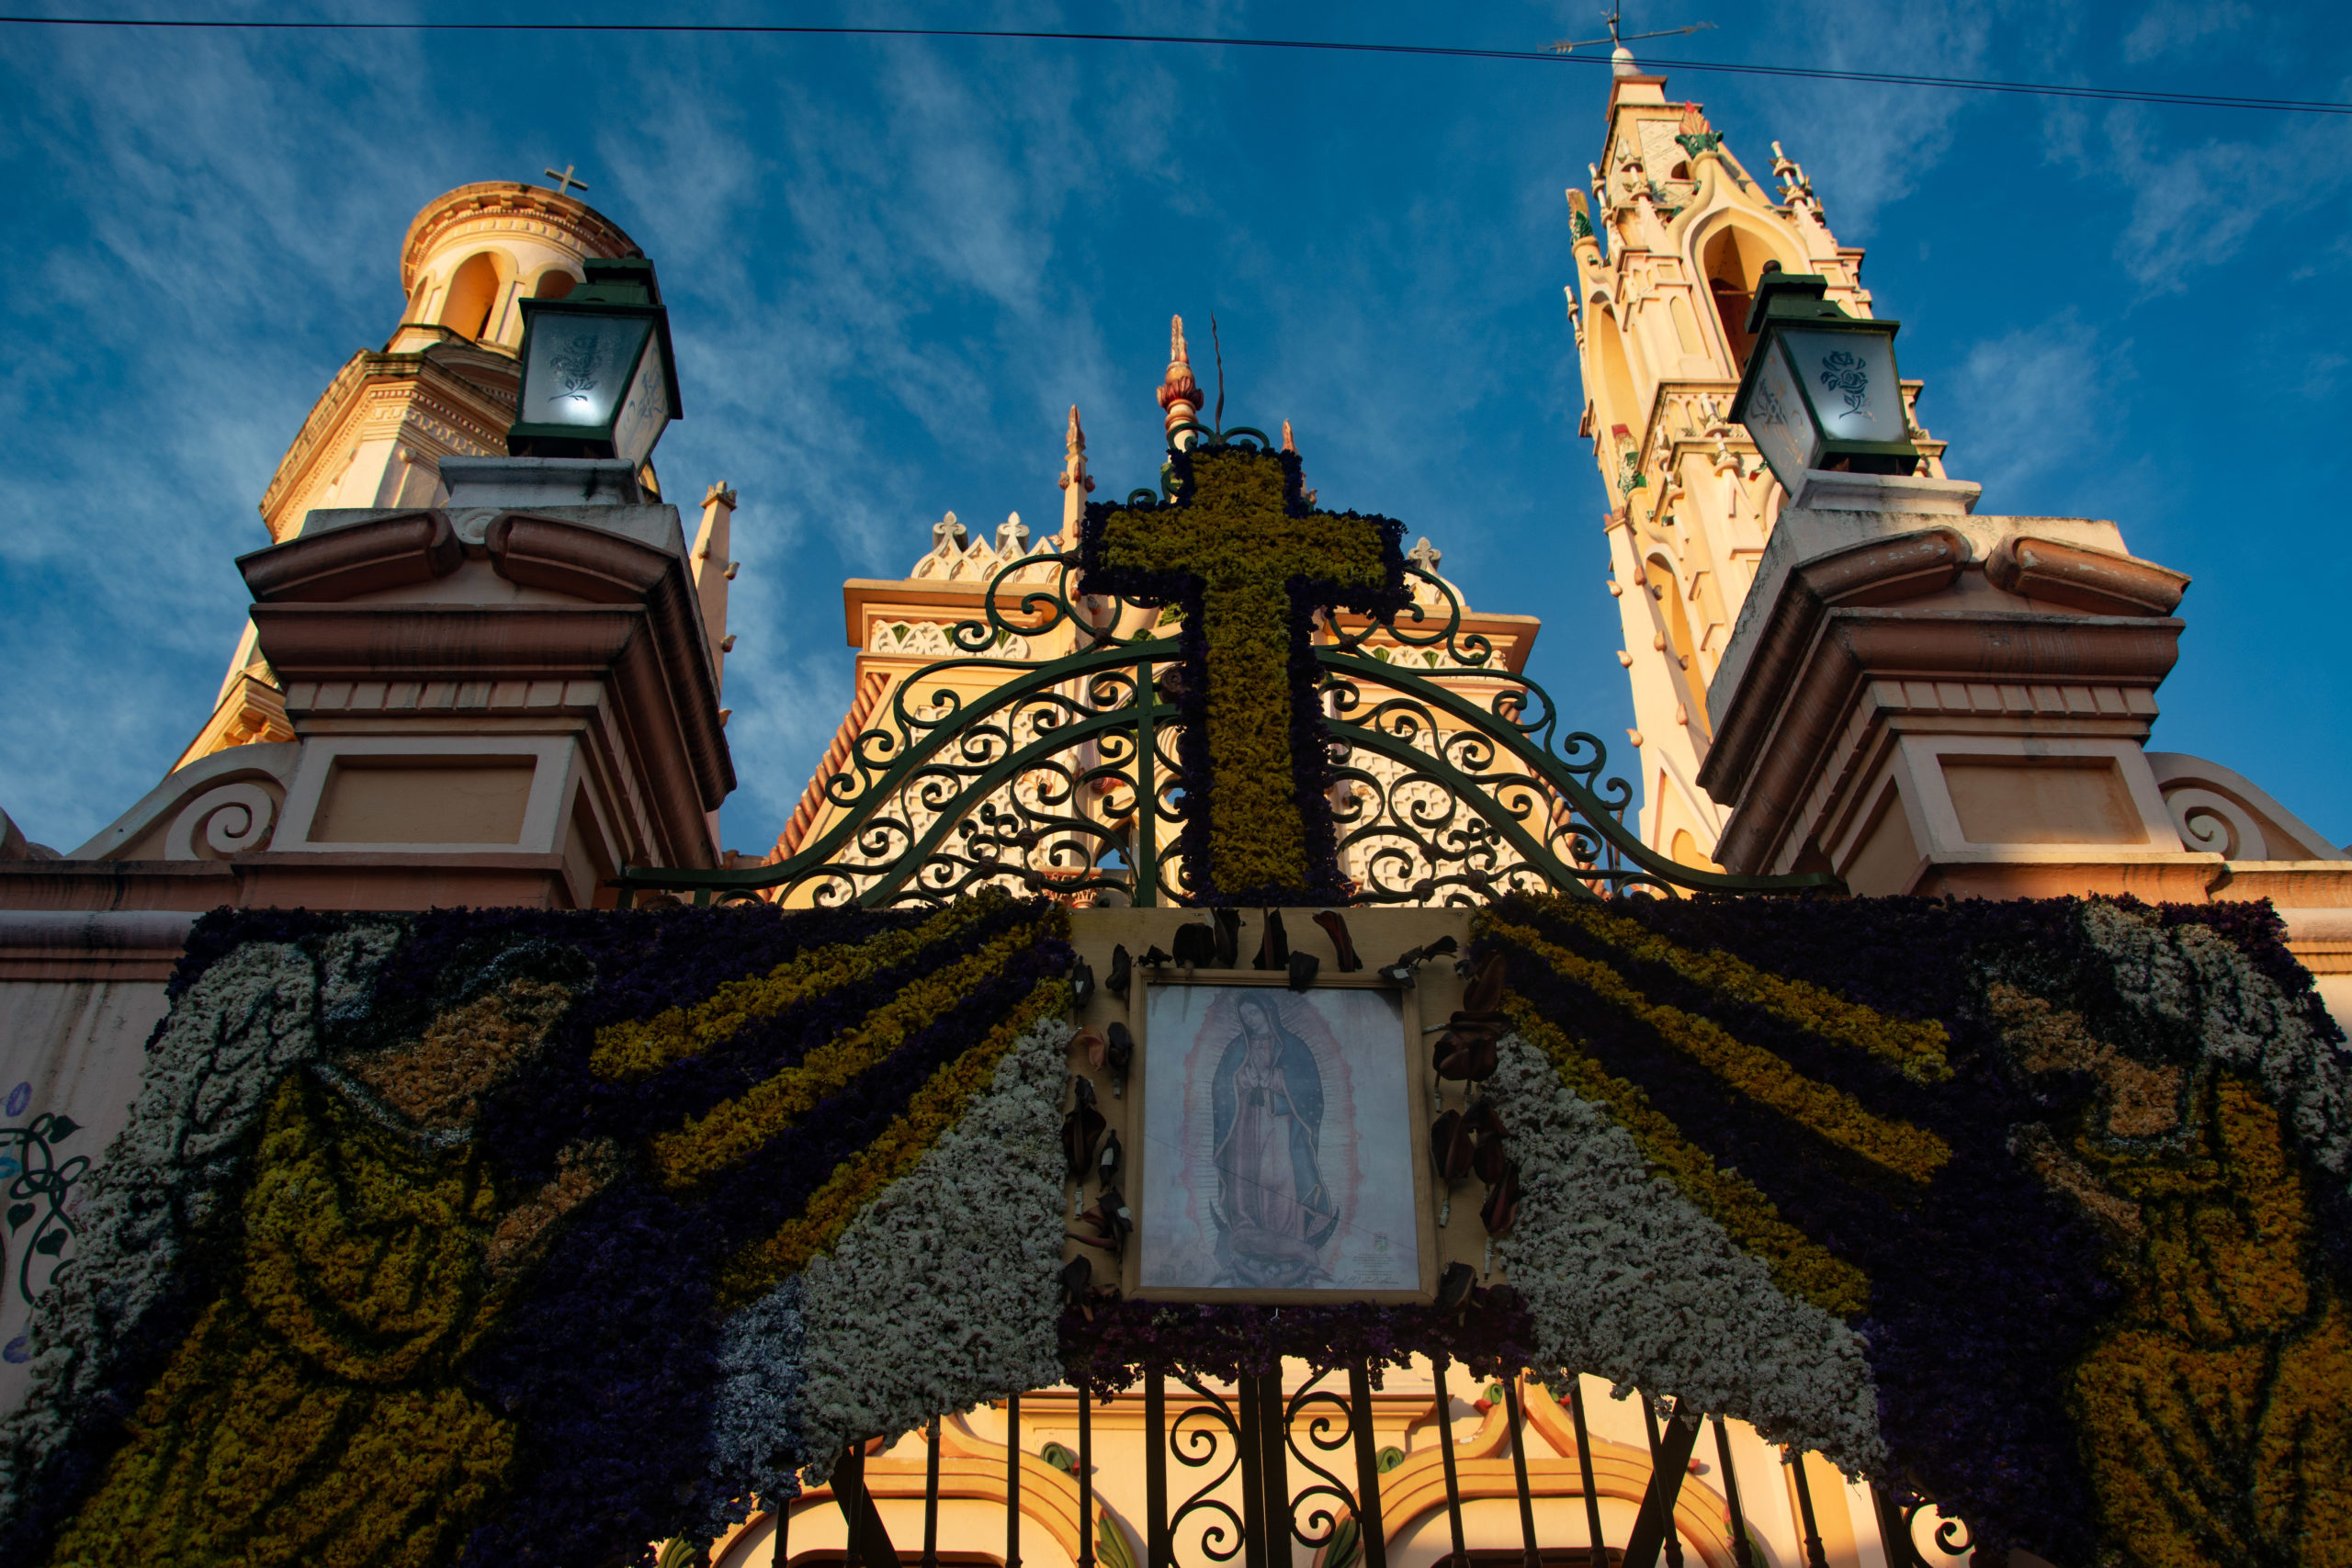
(1287, 444)
(1075, 480)
(1178, 393)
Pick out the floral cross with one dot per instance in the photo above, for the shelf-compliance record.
(1250, 561)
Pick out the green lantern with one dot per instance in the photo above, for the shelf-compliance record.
(1820, 389)
(598, 379)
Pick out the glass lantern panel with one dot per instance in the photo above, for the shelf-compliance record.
(645, 411)
(1851, 379)
(578, 365)
(1778, 423)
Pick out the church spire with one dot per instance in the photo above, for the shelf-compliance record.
(1076, 481)
(1178, 393)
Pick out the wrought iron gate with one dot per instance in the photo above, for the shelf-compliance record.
(1456, 780)
(1304, 1456)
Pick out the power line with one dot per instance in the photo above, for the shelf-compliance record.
(1547, 57)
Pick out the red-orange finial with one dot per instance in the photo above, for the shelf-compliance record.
(1178, 393)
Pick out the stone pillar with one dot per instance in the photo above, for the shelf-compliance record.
(1923, 700)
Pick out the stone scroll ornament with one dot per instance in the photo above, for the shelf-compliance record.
(1249, 561)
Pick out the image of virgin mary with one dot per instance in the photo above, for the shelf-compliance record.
(1274, 1213)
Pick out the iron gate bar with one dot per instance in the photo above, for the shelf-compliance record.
(930, 1496)
(1529, 1556)
(1012, 1481)
(1740, 1555)
(1371, 1534)
(868, 1540)
(1600, 1549)
(845, 1494)
(1274, 1472)
(1670, 1462)
(1815, 1552)
(1147, 788)
(1158, 1548)
(1900, 1553)
(1085, 1475)
(1254, 1482)
(1672, 1540)
(1461, 1558)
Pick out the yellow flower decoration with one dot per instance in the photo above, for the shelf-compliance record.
(642, 1047)
(1798, 1265)
(1919, 1047)
(1833, 1114)
(894, 1152)
(736, 1128)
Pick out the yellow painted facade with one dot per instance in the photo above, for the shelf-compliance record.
(1669, 241)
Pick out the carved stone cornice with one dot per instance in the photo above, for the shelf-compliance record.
(1834, 628)
(460, 413)
(510, 205)
(634, 640)
(2099, 582)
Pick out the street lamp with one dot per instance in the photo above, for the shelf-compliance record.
(598, 379)
(1820, 389)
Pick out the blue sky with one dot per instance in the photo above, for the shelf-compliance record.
(893, 265)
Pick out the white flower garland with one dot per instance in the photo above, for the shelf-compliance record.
(941, 1293)
(166, 1176)
(755, 1447)
(2192, 975)
(1626, 1278)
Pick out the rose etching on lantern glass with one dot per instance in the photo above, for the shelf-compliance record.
(1843, 373)
(1278, 1142)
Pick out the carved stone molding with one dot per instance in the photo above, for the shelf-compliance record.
(2096, 582)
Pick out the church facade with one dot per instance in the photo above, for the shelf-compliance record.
(1099, 766)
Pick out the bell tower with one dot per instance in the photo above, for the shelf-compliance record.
(443, 385)
(1669, 243)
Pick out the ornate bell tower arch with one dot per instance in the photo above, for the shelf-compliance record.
(443, 385)
(1669, 241)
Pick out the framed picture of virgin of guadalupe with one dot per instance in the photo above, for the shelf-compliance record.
(1283, 1146)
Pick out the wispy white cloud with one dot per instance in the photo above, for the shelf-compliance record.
(198, 245)
(2192, 207)
(1864, 145)
(2174, 25)
(2028, 403)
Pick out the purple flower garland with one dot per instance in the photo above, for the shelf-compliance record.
(1110, 1345)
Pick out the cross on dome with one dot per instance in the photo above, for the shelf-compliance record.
(564, 181)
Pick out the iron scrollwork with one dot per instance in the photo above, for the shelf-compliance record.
(1455, 780)
(1317, 1511)
(1196, 1438)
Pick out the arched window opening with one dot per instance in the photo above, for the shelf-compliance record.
(1614, 391)
(554, 284)
(1679, 172)
(472, 292)
(1733, 262)
(416, 301)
